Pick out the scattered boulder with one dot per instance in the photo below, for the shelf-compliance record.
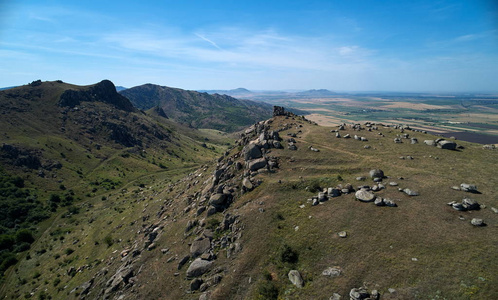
(217, 199)
(410, 192)
(198, 267)
(477, 222)
(376, 173)
(200, 247)
(342, 234)
(195, 284)
(296, 279)
(364, 196)
(257, 164)
(252, 151)
(430, 142)
(247, 184)
(332, 272)
(471, 188)
(449, 145)
(335, 296)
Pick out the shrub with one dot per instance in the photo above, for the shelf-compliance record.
(289, 255)
(267, 290)
(24, 236)
(108, 240)
(68, 251)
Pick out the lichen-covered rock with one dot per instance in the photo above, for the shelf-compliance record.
(198, 267)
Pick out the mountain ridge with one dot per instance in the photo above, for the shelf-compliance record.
(199, 110)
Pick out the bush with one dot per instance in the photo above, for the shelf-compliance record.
(108, 240)
(6, 242)
(68, 251)
(267, 290)
(24, 236)
(289, 255)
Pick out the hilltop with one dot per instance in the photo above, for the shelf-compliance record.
(361, 215)
(199, 110)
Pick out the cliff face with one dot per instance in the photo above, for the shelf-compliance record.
(104, 91)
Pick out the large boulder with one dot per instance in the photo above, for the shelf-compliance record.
(200, 247)
(364, 196)
(217, 199)
(449, 145)
(257, 164)
(252, 151)
(198, 267)
(296, 279)
(376, 173)
(430, 142)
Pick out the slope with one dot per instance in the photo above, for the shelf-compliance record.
(199, 110)
(65, 147)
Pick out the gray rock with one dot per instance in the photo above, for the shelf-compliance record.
(333, 192)
(430, 142)
(277, 145)
(477, 222)
(390, 203)
(358, 294)
(495, 210)
(217, 199)
(335, 296)
(252, 151)
(322, 197)
(246, 183)
(379, 201)
(364, 196)
(392, 183)
(195, 284)
(458, 206)
(332, 271)
(470, 204)
(414, 141)
(410, 192)
(198, 267)
(257, 164)
(342, 234)
(376, 173)
(361, 178)
(199, 247)
(296, 279)
(397, 140)
(211, 211)
(347, 136)
(471, 188)
(449, 145)
(292, 146)
(337, 135)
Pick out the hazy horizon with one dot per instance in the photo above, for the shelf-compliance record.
(357, 46)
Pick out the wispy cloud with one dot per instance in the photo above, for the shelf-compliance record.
(208, 40)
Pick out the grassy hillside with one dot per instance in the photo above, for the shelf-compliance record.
(59, 158)
(139, 241)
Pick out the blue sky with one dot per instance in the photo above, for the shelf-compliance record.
(346, 45)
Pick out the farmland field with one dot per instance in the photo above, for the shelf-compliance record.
(468, 117)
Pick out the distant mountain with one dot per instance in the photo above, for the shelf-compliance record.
(238, 92)
(120, 88)
(316, 93)
(199, 110)
(6, 88)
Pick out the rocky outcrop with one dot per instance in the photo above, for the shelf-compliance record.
(104, 91)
